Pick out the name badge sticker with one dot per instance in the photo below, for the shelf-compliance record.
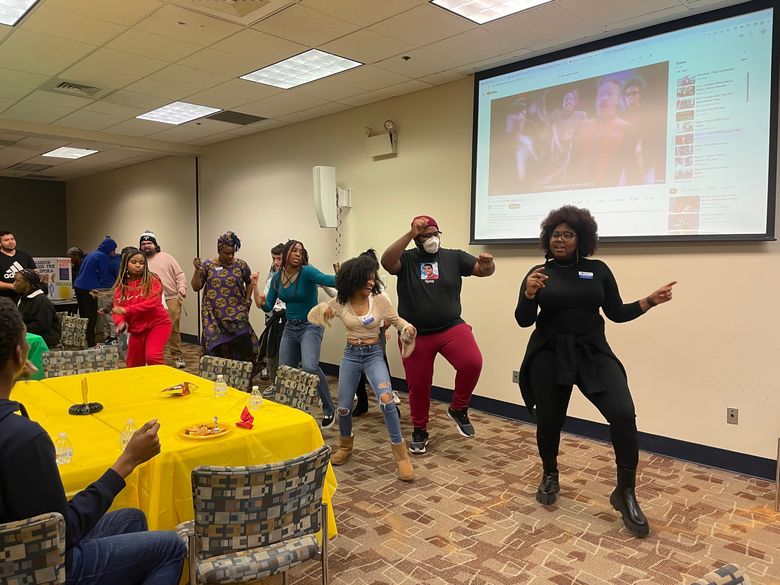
(367, 319)
(586, 275)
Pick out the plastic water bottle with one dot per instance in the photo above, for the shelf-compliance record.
(255, 399)
(127, 434)
(220, 388)
(63, 449)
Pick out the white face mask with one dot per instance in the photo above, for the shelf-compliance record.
(431, 245)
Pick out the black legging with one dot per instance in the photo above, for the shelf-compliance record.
(615, 404)
(88, 307)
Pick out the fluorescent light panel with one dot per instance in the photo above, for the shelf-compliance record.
(482, 11)
(178, 113)
(12, 11)
(66, 152)
(304, 68)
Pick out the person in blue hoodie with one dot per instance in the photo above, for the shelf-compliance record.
(101, 547)
(95, 274)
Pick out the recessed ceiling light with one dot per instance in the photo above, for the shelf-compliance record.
(66, 152)
(12, 11)
(178, 113)
(309, 66)
(482, 11)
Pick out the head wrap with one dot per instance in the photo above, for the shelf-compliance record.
(229, 239)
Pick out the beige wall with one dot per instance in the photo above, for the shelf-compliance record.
(158, 195)
(714, 346)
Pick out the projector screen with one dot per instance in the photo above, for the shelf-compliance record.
(668, 133)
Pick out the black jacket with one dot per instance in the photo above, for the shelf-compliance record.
(40, 317)
(30, 482)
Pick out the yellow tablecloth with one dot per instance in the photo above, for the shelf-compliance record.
(161, 487)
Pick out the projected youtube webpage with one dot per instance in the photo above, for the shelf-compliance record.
(664, 136)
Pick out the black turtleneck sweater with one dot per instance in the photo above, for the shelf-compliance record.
(566, 313)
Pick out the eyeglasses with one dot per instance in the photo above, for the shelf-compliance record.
(565, 236)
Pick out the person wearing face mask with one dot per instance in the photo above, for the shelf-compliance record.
(432, 305)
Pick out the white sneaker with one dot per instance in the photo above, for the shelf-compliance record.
(180, 363)
(396, 398)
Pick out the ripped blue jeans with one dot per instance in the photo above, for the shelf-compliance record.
(370, 360)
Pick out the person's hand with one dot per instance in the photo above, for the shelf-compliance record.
(534, 282)
(197, 263)
(485, 261)
(142, 446)
(182, 294)
(336, 267)
(101, 311)
(255, 278)
(120, 329)
(119, 311)
(29, 368)
(409, 333)
(329, 313)
(418, 227)
(263, 299)
(662, 295)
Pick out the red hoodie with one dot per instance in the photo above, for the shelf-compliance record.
(143, 311)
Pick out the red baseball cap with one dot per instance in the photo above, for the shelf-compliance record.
(429, 220)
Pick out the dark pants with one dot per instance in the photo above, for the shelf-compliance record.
(88, 307)
(615, 404)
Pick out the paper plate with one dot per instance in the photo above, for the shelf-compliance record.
(223, 430)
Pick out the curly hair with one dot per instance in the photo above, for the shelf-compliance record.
(11, 329)
(580, 220)
(354, 274)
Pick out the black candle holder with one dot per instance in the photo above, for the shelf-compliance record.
(87, 408)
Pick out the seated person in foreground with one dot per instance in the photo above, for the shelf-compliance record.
(101, 548)
(37, 310)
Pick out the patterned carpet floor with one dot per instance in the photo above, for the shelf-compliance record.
(471, 518)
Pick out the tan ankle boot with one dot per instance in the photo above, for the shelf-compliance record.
(401, 454)
(344, 452)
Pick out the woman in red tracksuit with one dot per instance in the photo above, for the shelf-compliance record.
(138, 307)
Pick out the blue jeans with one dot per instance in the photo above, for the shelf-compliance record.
(368, 360)
(300, 344)
(120, 550)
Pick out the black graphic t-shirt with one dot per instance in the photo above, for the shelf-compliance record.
(9, 266)
(429, 288)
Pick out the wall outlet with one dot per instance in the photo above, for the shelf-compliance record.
(732, 416)
(515, 376)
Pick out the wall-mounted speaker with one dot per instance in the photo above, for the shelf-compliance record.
(325, 195)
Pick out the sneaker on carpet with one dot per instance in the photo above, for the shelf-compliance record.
(269, 392)
(461, 420)
(110, 341)
(419, 441)
(328, 421)
(180, 363)
(396, 398)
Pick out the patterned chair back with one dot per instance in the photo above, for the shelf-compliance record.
(240, 508)
(69, 363)
(726, 575)
(237, 374)
(32, 551)
(295, 388)
(73, 332)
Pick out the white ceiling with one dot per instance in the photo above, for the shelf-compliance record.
(143, 54)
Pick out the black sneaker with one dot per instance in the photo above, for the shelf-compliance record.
(419, 441)
(328, 421)
(461, 420)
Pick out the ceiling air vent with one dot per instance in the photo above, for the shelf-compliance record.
(243, 12)
(235, 117)
(67, 87)
(29, 167)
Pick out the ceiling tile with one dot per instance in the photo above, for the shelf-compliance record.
(146, 44)
(185, 25)
(648, 19)
(181, 134)
(21, 78)
(327, 89)
(369, 78)
(59, 23)
(10, 155)
(13, 93)
(233, 93)
(443, 77)
(213, 139)
(57, 99)
(104, 107)
(133, 99)
(366, 46)
(118, 11)
(159, 89)
(88, 120)
(601, 13)
(40, 144)
(297, 117)
(473, 45)
(294, 101)
(222, 63)
(404, 88)
(423, 25)
(330, 108)
(37, 53)
(6, 103)
(32, 112)
(109, 68)
(365, 98)
(420, 62)
(544, 24)
(305, 26)
(188, 78)
(264, 109)
(137, 128)
(256, 45)
(359, 11)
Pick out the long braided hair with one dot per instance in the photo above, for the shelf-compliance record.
(286, 252)
(147, 277)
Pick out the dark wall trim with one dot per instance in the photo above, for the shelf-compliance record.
(190, 338)
(676, 448)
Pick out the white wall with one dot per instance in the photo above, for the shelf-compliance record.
(714, 346)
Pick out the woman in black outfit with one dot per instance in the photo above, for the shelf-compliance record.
(569, 347)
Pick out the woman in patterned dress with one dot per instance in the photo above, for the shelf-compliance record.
(227, 296)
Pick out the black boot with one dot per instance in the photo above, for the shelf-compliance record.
(623, 499)
(362, 403)
(548, 490)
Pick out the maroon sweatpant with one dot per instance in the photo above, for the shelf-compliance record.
(457, 346)
(146, 348)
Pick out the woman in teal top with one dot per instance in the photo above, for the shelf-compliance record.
(296, 284)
